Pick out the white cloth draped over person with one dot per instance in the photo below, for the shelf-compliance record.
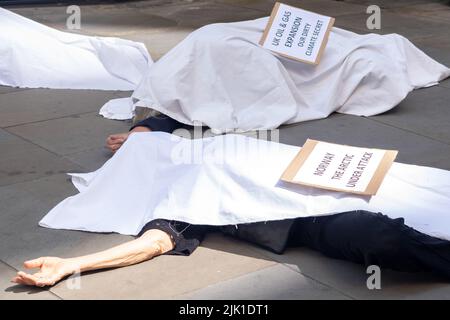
(232, 179)
(36, 56)
(220, 77)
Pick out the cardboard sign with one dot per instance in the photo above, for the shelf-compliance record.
(339, 167)
(297, 34)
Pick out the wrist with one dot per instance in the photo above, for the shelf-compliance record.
(74, 265)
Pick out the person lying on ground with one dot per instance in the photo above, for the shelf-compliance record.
(363, 237)
(221, 77)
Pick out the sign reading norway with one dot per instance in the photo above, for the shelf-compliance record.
(297, 34)
(339, 167)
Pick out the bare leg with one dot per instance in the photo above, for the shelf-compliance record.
(52, 269)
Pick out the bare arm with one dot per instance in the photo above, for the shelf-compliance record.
(152, 243)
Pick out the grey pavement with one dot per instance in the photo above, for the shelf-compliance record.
(45, 134)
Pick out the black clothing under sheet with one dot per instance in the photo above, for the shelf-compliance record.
(363, 237)
(186, 237)
(161, 123)
(359, 236)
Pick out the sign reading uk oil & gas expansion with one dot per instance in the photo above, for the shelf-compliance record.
(296, 33)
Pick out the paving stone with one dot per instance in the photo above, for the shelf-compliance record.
(445, 84)
(33, 105)
(108, 22)
(71, 134)
(351, 279)
(123, 94)
(24, 205)
(327, 7)
(220, 259)
(428, 10)
(91, 160)
(400, 4)
(413, 149)
(160, 42)
(131, 18)
(6, 89)
(274, 283)
(198, 14)
(11, 291)
(21, 161)
(437, 47)
(424, 112)
(409, 27)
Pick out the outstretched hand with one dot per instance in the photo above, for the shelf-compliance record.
(115, 141)
(51, 270)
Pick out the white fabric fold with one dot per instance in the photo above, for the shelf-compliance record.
(36, 56)
(221, 77)
(118, 109)
(232, 179)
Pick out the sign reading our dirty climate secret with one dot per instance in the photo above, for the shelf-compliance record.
(339, 167)
(297, 34)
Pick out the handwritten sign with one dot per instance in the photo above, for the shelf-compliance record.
(296, 33)
(339, 167)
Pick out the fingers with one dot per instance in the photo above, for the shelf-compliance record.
(117, 138)
(116, 144)
(114, 147)
(17, 280)
(33, 280)
(26, 279)
(115, 141)
(36, 263)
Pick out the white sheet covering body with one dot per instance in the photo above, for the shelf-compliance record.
(36, 56)
(219, 76)
(231, 179)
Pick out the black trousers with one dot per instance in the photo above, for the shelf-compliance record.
(360, 236)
